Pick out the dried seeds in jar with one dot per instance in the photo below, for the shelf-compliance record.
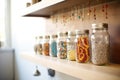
(82, 46)
(100, 45)
(46, 45)
(62, 46)
(71, 50)
(39, 47)
(53, 46)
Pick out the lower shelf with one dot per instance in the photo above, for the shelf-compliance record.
(84, 71)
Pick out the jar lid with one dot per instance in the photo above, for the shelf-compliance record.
(86, 31)
(63, 33)
(40, 37)
(54, 36)
(104, 25)
(71, 33)
(95, 26)
(47, 37)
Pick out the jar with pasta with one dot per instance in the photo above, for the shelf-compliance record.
(39, 47)
(100, 44)
(82, 46)
(53, 46)
(71, 50)
(62, 45)
(46, 45)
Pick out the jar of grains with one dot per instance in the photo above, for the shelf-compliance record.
(53, 45)
(46, 45)
(39, 49)
(71, 50)
(100, 44)
(82, 46)
(62, 45)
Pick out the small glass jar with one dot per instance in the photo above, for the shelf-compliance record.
(53, 46)
(39, 49)
(71, 50)
(36, 45)
(99, 44)
(62, 45)
(46, 45)
(82, 46)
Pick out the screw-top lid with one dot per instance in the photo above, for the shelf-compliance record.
(47, 37)
(40, 37)
(71, 33)
(86, 31)
(63, 34)
(54, 36)
(95, 26)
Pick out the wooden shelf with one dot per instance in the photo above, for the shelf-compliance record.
(46, 8)
(84, 71)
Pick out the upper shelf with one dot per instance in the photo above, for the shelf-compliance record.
(84, 71)
(46, 8)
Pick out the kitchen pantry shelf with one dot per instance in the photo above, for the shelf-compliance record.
(84, 71)
(46, 8)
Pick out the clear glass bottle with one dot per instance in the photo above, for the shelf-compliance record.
(53, 46)
(39, 50)
(99, 44)
(71, 50)
(62, 45)
(46, 45)
(36, 45)
(82, 46)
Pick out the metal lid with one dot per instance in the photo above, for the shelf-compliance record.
(40, 37)
(71, 33)
(86, 31)
(54, 36)
(47, 37)
(63, 34)
(95, 26)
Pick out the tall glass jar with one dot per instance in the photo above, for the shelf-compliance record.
(71, 50)
(46, 45)
(39, 49)
(82, 46)
(53, 46)
(62, 46)
(99, 44)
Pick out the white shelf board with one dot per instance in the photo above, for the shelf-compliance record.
(84, 71)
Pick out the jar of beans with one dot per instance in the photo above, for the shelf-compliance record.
(100, 44)
(71, 50)
(46, 45)
(82, 46)
(62, 45)
(39, 49)
(53, 46)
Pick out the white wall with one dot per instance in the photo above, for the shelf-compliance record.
(23, 31)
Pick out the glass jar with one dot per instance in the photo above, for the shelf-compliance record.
(39, 49)
(82, 46)
(99, 44)
(46, 45)
(62, 46)
(53, 46)
(71, 50)
(36, 45)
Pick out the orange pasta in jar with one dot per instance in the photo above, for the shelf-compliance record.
(82, 46)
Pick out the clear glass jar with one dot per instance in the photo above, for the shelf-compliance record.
(46, 45)
(39, 48)
(36, 45)
(99, 44)
(53, 46)
(71, 50)
(82, 46)
(62, 45)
